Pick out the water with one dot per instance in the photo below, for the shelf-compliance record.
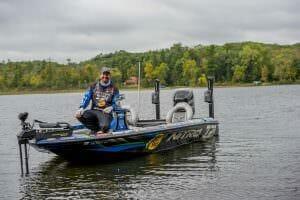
(256, 156)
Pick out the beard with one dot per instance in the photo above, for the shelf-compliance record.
(105, 82)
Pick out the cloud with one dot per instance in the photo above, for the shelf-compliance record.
(81, 29)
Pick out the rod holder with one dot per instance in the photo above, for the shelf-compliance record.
(156, 99)
(210, 87)
(208, 95)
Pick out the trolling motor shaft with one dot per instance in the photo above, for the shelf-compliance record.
(26, 157)
(23, 140)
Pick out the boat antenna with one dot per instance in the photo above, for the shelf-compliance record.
(139, 87)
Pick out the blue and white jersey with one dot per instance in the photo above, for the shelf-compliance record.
(101, 96)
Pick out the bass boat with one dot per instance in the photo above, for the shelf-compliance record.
(128, 136)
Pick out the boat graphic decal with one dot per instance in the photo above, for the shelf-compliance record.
(185, 135)
(210, 131)
(154, 143)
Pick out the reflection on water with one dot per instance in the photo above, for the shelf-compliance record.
(137, 178)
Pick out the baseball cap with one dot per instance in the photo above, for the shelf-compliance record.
(105, 69)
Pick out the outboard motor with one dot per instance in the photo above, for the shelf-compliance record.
(184, 95)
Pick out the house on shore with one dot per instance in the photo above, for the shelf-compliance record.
(133, 80)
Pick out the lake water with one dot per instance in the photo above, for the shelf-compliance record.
(257, 155)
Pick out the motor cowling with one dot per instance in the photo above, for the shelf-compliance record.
(184, 95)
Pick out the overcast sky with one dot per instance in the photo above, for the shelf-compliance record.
(81, 29)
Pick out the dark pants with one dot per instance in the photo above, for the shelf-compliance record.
(96, 120)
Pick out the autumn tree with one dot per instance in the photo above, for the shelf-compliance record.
(190, 72)
(116, 76)
(160, 72)
(239, 73)
(202, 80)
(149, 71)
(264, 74)
(132, 71)
(283, 66)
(251, 59)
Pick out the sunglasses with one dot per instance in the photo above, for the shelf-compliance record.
(105, 75)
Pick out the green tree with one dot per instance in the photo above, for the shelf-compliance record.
(264, 74)
(202, 80)
(239, 73)
(210, 61)
(89, 73)
(47, 75)
(252, 59)
(160, 72)
(2, 82)
(116, 76)
(190, 72)
(283, 66)
(132, 71)
(149, 71)
(36, 81)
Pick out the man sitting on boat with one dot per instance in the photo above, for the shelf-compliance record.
(103, 94)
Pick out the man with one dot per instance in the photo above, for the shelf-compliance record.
(103, 95)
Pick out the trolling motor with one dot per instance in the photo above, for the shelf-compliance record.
(208, 95)
(45, 131)
(27, 132)
(24, 136)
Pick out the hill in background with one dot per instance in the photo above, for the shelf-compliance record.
(175, 66)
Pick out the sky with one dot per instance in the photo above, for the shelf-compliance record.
(82, 29)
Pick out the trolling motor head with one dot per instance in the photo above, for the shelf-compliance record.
(25, 125)
(23, 116)
(27, 132)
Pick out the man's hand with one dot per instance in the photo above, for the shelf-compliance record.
(108, 109)
(79, 113)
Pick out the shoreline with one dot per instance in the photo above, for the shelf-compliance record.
(217, 85)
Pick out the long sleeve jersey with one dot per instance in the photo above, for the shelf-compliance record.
(101, 96)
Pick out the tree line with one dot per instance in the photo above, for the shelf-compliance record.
(175, 66)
